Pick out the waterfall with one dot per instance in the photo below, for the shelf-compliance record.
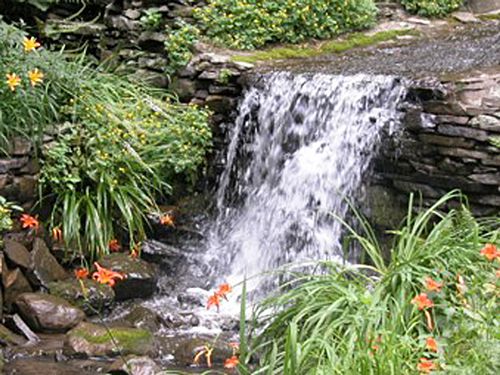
(301, 145)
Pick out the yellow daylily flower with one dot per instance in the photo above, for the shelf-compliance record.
(13, 80)
(30, 44)
(35, 77)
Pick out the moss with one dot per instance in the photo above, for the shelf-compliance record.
(126, 338)
(335, 46)
(489, 17)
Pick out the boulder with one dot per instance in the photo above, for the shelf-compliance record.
(97, 340)
(89, 295)
(44, 267)
(142, 317)
(17, 253)
(141, 276)
(14, 284)
(47, 313)
(133, 365)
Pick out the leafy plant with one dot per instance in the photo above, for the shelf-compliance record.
(6, 209)
(117, 142)
(431, 8)
(249, 24)
(179, 45)
(151, 20)
(366, 319)
(120, 146)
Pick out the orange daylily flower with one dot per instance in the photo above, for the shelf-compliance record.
(81, 273)
(431, 344)
(490, 251)
(213, 300)
(114, 245)
(426, 366)
(224, 289)
(167, 220)
(13, 80)
(29, 221)
(231, 362)
(134, 253)
(422, 301)
(432, 285)
(105, 276)
(30, 44)
(35, 77)
(57, 234)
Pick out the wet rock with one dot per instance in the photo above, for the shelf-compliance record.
(141, 276)
(489, 123)
(159, 252)
(142, 317)
(184, 348)
(89, 295)
(10, 338)
(133, 365)
(44, 267)
(47, 313)
(17, 253)
(465, 17)
(15, 284)
(39, 366)
(97, 340)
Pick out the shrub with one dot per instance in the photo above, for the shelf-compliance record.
(248, 24)
(431, 8)
(28, 110)
(6, 209)
(179, 45)
(151, 20)
(117, 142)
(361, 319)
(117, 151)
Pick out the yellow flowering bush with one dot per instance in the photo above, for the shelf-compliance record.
(248, 24)
(432, 8)
(118, 144)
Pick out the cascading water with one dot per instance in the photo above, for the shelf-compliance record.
(301, 145)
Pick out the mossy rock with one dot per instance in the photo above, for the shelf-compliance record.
(89, 295)
(97, 340)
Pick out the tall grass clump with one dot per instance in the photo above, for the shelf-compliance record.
(117, 143)
(432, 306)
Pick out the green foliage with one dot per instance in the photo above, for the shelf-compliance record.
(117, 142)
(431, 8)
(359, 319)
(28, 110)
(249, 24)
(119, 147)
(180, 44)
(151, 20)
(6, 209)
(495, 141)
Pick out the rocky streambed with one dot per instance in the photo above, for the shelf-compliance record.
(56, 323)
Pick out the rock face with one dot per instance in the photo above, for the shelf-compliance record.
(446, 144)
(46, 313)
(97, 340)
(483, 6)
(17, 253)
(88, 295)
(141, 317)
(141, 276)
(44, 267)
(14, 284)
